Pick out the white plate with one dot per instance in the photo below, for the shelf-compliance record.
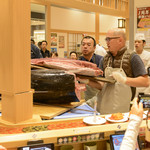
(125, 118)
(90, 120)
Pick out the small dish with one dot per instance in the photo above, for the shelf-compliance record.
(90, 120)
(125, 118)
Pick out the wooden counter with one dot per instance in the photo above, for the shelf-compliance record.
(12, 141)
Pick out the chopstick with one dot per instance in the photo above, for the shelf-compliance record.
(95, 105)
(84, 110)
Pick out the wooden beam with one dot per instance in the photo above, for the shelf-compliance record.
(89, 7)
(38, 1)
(127, 29)
(71, 31)
(48, 25)
(78, 32)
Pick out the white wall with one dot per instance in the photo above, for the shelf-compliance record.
(71, 19)
(75, 20)
(106, 22)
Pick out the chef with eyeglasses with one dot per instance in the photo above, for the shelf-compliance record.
(126, 68)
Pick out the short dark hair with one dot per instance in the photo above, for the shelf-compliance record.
(144, 41)
(55, 53)
(89, 37)
(39, 43)
(44, 41)
(33, 41)
(73, 52)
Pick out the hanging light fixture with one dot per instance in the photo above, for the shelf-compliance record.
(121, 23)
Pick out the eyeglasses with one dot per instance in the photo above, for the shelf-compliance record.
(107, 39)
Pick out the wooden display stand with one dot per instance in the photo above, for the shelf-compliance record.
(17, 108)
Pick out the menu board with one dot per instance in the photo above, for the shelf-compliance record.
(143, 23)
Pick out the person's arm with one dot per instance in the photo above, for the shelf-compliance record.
(36, 52)
(2, 148)
(141, 81)
(94, 84)
(130, 138)
(140, 78)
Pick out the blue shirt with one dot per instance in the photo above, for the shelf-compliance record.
(35, 52)
(95, 59)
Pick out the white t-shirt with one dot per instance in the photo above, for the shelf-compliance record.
(99, 50)
(145, 56)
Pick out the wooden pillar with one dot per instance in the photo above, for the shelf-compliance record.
(97, 27)
(131, 24)
(127, 28)
(15, 76)
(48, 25)
(97, 2)
(67, 45)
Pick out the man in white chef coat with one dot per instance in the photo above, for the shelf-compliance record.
(139, 43)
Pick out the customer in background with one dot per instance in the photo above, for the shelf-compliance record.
(45, 53)
(136, 117)
(35, 52)
(39, 44)
(88, 45)
(144, 55)
(32, 41)
(54, 54)
(73, 55)
(126, 68)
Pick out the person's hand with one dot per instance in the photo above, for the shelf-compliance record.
(2, 148)
(137, 109)
(119, 77)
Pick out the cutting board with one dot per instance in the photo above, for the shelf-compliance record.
(50, 111)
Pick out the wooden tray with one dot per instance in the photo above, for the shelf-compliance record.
(97, 78)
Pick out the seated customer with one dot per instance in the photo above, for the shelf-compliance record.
(44, 51)
(54, 54)
(73, 55)
(130, 138)
(35, 52)
(32, 41)
(39, 44)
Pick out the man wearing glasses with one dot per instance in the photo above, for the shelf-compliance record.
(126, 68)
